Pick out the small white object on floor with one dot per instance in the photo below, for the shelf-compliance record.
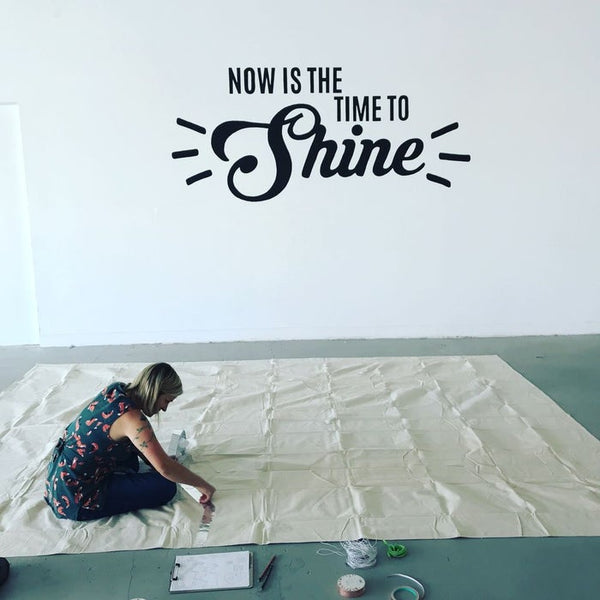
(177, 444)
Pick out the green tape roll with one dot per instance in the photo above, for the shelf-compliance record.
(395, 550)
(404, 588)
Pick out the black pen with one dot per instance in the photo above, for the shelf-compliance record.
(264, 576)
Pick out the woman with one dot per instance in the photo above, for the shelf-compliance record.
(94, 468)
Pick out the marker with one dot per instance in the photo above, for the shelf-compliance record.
(264, 576)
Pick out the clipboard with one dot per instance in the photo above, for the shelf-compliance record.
(217, 571)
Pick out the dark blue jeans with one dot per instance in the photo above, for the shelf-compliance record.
(126, 492)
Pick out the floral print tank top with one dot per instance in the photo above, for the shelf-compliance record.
(85, 456)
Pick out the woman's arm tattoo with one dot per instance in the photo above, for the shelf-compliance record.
(145, 426)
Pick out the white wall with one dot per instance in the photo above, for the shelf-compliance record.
(125, 251)
(18, 316)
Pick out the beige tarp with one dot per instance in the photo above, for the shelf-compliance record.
(320, 449)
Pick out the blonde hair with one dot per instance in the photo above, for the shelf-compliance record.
(153, 381)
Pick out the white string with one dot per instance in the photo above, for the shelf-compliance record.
(331, 549)
(359, 553)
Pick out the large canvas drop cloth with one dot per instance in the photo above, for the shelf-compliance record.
(320, 449)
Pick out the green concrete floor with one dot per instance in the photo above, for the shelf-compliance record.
(564, 367)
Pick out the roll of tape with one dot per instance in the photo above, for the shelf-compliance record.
(395, 595)
(412, 586)
(351, 586)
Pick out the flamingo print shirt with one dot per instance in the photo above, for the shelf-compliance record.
(85, 457)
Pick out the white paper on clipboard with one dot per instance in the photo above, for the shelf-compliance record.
(217, 571)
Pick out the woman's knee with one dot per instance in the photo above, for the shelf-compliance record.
(142, 490)
(165, 491)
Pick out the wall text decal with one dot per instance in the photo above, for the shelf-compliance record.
(302, 123)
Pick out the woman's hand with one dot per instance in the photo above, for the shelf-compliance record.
(206, 492)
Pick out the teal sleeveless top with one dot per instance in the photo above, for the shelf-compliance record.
(85, 456)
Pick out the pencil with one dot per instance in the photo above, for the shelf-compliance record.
(267, 569)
